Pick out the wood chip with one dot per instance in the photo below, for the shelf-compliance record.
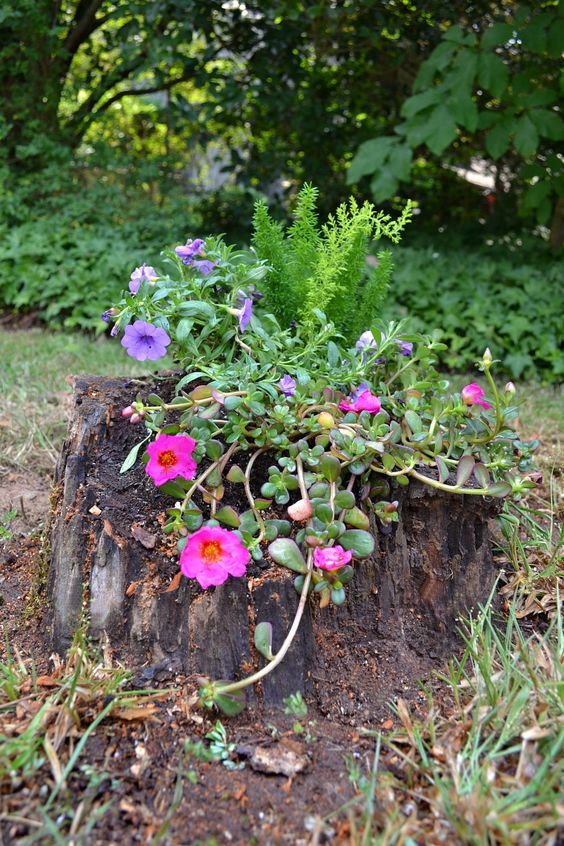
(284, 758)
(95, 511)
(144, 537)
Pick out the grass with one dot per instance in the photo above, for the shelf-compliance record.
(45, 724)
(488, 772)
(34, 385)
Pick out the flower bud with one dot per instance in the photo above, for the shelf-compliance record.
(300, 510)
(509, 389)
(326, 420)
(536, 477)
(128, 411)
(487, 357)
(135, 418)
(312, 540)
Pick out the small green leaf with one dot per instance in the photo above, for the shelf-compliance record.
(360, 542)
(231, 403)
(338, 596)
(345, 499)
(132, 456)
(263, 640)
(247, 522)
(228, 516)
(499, 489)
(464, 470)
(357, 518)
(230, 703)
(330, 467)
(214, 449)
(482, 475)
(323, 512)
(413, 421)
(442, 468)
(287, 553)
(235, 475)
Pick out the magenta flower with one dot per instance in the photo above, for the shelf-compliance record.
(170, 456)
(212, 554)
(474, 395)
(331, 558)
(365, 401)
(287, 385)
(244, 314)
(145, 273)
(145, 341)
(190, 250)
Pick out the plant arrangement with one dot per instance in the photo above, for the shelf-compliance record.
(279, 392)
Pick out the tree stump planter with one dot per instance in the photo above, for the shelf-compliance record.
(110, 558)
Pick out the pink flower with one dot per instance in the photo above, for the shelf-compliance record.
(365, 401)
(212, 554)
(474, 395)
(171, 456)
(331, 558)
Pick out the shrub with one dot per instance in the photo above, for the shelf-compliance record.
(506, 300)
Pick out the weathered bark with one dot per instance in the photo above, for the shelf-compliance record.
(110, 557)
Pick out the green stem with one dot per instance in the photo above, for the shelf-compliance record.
(197, 482)
(268, 668)
(250, 497)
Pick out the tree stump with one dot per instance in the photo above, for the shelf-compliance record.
(110, 558)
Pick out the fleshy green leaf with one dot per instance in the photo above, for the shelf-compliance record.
(360, 542)
(287, 553)
(132, 456)
(263, 640)
(464, 470)
(235, 475)
(228, 516)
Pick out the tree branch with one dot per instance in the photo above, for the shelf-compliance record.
(129, 92)
(84, 24)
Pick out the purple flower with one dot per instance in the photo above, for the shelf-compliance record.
(189, 250)
(145, 273)
(106, 316)
(356, 392)
(287, 385)
(244, 314)
(367, 341)
(205, 267)
(252, 292)
(406, 347)
(145, 341)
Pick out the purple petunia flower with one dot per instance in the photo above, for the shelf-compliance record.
(367, 341)
(205, 267)
(106, 316)
(252, 292)
(144, 341)
(190, 249)
(145, 273)
(287, 385)
(244, 314)
(406, 347)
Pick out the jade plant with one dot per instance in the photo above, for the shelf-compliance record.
(263, 372)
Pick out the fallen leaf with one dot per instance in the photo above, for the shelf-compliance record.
(388, 724)
(47, 681)
(131, 588)
(136, 712)
(175, 583)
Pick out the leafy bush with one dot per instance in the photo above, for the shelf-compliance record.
(73, 256)
(487, 297)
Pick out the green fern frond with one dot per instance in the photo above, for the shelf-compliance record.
(269, 243)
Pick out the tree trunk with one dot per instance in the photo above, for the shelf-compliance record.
(110, 557)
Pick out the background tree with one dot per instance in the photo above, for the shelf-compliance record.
(490, 89)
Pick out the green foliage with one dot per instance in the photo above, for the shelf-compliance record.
(324, 269)
(510, 301)
(495, 94)
(72, 257)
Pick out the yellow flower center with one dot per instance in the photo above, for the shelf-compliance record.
(167, 458)
(211, 551)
